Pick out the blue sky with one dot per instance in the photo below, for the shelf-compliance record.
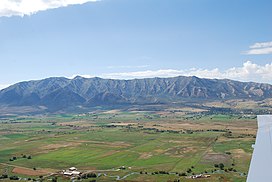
(136, 38)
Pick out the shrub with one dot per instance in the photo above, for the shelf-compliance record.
(189, 170)
(91, 175)
(221, 166)
(4, 176)
(182, 174)
(14, 178)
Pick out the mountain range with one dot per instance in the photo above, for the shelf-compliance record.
(58, 93)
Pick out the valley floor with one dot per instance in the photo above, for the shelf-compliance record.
(127, 146)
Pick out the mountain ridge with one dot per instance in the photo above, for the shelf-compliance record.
(60, 92)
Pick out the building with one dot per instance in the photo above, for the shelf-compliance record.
(72, 171)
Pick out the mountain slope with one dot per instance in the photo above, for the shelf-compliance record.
(59, 93)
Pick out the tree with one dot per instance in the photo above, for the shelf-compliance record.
(221, 166)
(91, 175)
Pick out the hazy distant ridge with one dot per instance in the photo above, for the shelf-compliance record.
(57, 93)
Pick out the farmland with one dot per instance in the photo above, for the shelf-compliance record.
(126, 145)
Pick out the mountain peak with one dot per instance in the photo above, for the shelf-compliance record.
(78, 77)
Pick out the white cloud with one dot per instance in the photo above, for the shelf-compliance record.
(28, 7)
(260, 48)
(261, 45)
(127, 66)
(248, 72)
(143, 74)
(267, 50)
(85, 76)
(2, 86)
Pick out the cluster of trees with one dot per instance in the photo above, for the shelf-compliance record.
(220, 165)
(142, 172)
(88, 175)
(156, 130)
(14, 178)
(167, 173)
(218, 130)
(3, 176)
(160, 172)
(27, 157)
(162, 131)
(23, 156)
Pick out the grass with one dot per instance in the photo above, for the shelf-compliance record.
(93, 145)
(225, 146)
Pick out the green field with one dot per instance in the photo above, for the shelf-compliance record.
(152, 146)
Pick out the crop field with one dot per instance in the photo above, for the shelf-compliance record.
(127, 146)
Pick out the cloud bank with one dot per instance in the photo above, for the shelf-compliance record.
(2, 86)
(10, 8)
(260, 48)
(248, 72)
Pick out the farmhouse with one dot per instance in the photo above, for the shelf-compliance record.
(72, 171)
(68, 173)
(199, 176)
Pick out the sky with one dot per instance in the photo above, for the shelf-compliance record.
(126, 39)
